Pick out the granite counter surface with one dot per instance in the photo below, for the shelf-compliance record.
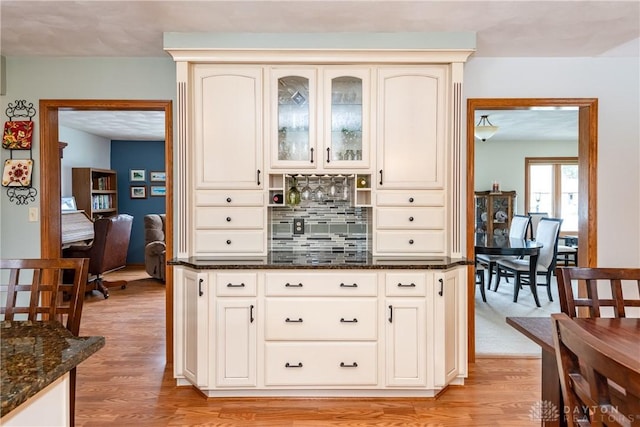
(35, 354)
(319, 260)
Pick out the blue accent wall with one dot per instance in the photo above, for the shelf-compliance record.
(147, 155)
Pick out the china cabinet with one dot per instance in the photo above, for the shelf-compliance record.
(320, 118)
(493, 211)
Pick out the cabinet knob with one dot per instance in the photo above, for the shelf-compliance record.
(229, 219)
(410, 219)
(228, 199)
(410, 199)
(228, 242)
(411, 241)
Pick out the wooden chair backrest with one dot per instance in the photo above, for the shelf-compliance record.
(587, 282)
(600, 386)
(35, 287)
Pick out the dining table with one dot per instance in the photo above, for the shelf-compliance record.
(503, 245)
(623, 334)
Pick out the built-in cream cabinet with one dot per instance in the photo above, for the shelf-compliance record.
(227, 127)
(320, 118)
(412, 126)
(367, 331)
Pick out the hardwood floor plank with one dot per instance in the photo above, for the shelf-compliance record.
(128, 384)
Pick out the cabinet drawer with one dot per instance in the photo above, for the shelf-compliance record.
(410, 218)
(321, 364)
(229, 198)
(209, 217)
(235, 284)
(410, 198)
(236, 241)
(325, 284)
(428, 241)
(321, 319)
(406, 284)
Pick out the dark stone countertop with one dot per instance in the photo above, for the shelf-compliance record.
(319, 260)
(35, 354)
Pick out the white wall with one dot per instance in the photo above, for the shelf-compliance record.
(33, 79)
(615, 82)
(84, 151)
(503, 161)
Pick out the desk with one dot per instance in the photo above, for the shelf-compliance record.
(505, 246)
(620, 333)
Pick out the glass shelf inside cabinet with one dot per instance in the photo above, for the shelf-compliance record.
(293, 118)
(346, 118)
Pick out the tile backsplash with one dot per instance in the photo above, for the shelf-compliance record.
(334, 226)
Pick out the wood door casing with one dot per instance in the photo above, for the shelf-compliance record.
(587, 176)
(50, 228)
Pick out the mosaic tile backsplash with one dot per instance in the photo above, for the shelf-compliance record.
(333, 226)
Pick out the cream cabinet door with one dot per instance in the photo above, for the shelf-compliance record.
(346, 94)
(406, 341)
(227, 126)
(192, 314)
(412, 127)
(293, 125)
(236, 347)
(449, 338)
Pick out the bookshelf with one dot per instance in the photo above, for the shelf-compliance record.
(96, 191)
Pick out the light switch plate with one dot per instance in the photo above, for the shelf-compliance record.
(33, 214)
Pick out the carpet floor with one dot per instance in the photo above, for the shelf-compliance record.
(494, 337)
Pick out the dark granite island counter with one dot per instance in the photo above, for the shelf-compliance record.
(35, 356)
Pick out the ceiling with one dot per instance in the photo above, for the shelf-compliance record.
(514, 28)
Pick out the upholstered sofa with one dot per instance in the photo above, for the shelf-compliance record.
(154, 245)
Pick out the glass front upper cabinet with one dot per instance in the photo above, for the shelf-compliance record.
(295, 118)
(346, 118)
(326, 131)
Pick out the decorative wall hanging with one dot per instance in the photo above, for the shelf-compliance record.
(18, 136)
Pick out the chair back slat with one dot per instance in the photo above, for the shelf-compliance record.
(55, 290)
(589, 301)
(600, 386)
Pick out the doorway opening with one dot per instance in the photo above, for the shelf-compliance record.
(50, 185)
(587, 166)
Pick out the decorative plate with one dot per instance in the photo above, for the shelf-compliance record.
(17, 135)
(17, 173)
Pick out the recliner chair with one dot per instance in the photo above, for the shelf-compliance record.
(155, 248)
(107, 252)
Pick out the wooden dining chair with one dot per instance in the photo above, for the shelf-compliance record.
(37, 290)
(590, 285)
(600, 386)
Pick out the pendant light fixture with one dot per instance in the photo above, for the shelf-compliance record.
(484, 129)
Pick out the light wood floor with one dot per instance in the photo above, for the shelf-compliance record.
(128, 384)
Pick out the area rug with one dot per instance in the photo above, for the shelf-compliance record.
(494, 337)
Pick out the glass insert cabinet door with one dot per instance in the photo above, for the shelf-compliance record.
(321, 117)
(295, 118)
(346, 118)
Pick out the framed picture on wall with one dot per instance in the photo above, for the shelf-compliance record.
(158, 190)
(137, 175)
(138, 191)
(158, 176)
